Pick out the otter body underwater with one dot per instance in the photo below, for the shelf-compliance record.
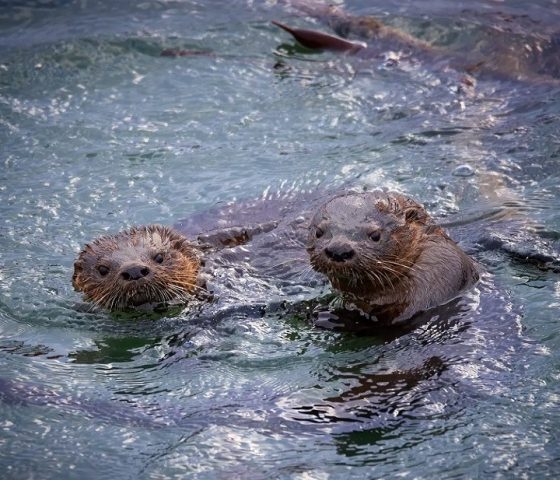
(380, 250)
(530, 56)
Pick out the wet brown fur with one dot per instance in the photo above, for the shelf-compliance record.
(171, 261)
(414, 266)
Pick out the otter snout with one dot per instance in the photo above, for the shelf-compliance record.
(134, 272)
(339, 251)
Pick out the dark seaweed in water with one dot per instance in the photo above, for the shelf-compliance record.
(99, 132)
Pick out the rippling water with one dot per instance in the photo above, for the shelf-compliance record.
(100, 132)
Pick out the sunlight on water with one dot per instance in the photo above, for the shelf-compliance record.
(100, 132)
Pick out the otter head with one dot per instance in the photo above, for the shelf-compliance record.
(365, 242)
(142, 265)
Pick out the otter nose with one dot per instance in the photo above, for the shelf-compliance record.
(339, 252)
(135, 272)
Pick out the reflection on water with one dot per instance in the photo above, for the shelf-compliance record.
(100, 132)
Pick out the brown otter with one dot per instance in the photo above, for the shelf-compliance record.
(155, 264)
(386, 255)
(141, 265)
(262, 243)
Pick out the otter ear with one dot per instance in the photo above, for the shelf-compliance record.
(179, 244)
(78, 268)
(415, 214)
(183, 245)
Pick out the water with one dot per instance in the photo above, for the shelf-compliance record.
(100, 132)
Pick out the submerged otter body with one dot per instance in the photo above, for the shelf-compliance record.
(143, 265)
(386, 256)
(534, 59)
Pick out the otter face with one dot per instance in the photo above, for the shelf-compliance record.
(150, 264)
(363, 240)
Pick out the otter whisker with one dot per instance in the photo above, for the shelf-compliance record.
(104, 298)
(383, 266)
(400, 264)
(187, 283)
(174, 291)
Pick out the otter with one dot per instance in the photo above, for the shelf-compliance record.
(150, 264)
(537, 63)
(386, 256)
(382, 251)
(156, 265)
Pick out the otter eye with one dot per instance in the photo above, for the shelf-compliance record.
(375, 236)
(158, 258)
(103, 270)
(319, 233)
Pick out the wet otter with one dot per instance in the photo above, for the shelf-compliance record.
(156, 265)
(259, 246)
(141, 265)
(534, 59)
(386, 256)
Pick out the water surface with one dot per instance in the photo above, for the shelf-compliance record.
(99, 132)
